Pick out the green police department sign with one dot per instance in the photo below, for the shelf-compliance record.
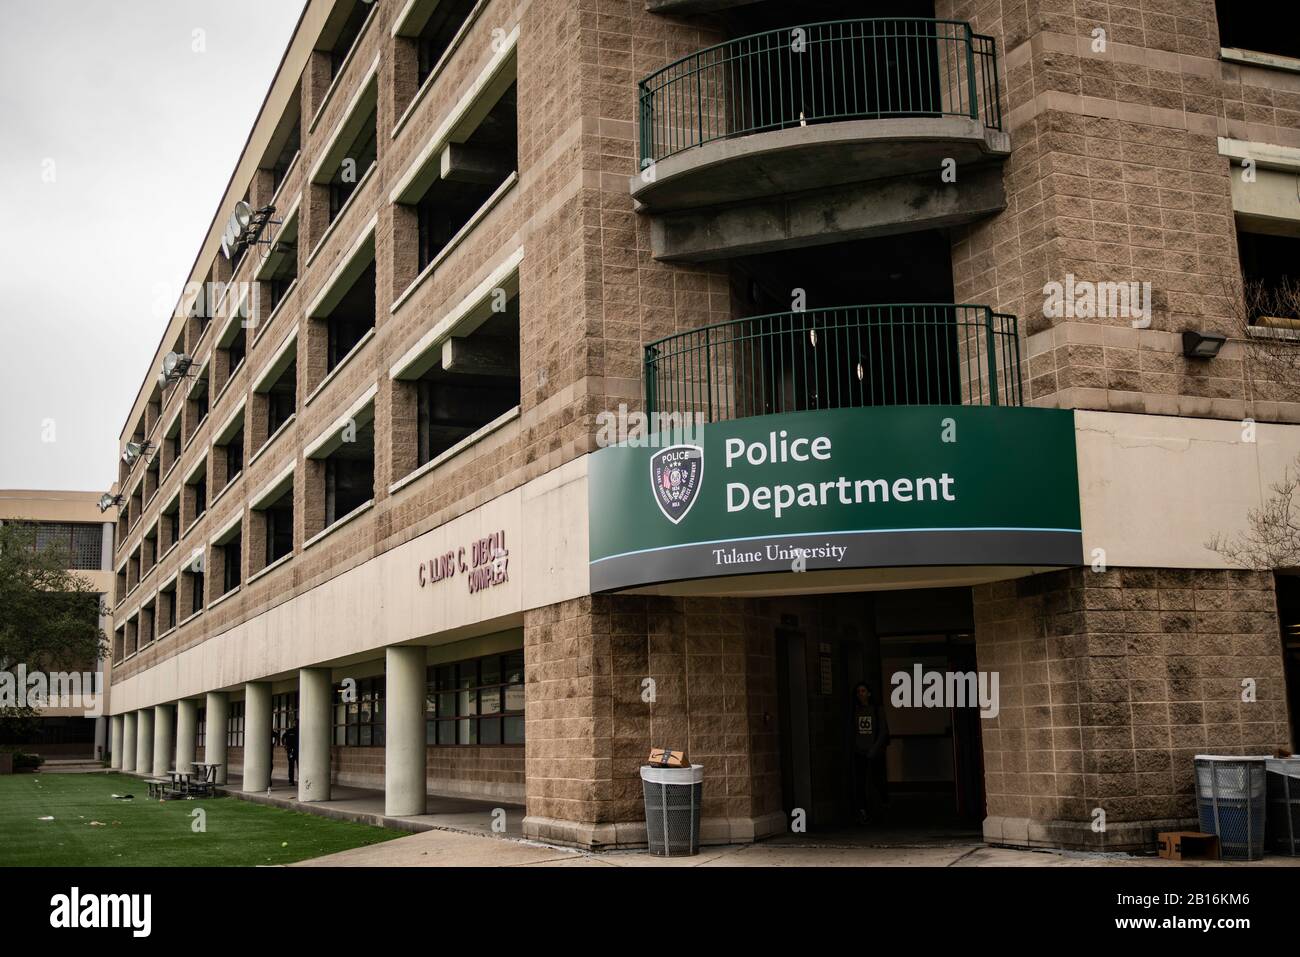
(846, 488)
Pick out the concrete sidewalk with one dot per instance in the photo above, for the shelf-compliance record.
(451, 849)
(366, 806)
(460, 832)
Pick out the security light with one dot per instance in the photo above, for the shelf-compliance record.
(1201, 345)
(107, 501)
(134, 450)
(175, 365)
(244, 228)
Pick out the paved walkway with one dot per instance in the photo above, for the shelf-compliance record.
(450, 849)
(459, 832)
(366, 806)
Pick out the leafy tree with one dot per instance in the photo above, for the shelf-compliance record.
(49, 616)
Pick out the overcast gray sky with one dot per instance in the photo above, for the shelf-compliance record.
(119, 129)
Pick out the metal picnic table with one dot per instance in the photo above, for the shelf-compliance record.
(207, 775)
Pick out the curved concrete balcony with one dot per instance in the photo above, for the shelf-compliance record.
(838, 130)
(837, 358)
(684, 7)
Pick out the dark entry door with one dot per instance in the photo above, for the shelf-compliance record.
(935, 754)
(792, 684)
(967, 743)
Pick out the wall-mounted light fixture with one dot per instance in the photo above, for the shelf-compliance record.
(1201, 345)
(134, 450)
(244, 229)
(108, 500)
(175, 365)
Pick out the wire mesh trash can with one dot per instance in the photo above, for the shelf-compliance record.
(672, 809)
(1284, 805)
(1230, 803)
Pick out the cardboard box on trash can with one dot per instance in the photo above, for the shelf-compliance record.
(1188, 846)
(668, 758)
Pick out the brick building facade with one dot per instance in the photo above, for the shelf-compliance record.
(492, 221)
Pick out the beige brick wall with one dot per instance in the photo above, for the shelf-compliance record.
(1110, 683)
(590, 727)
(591, 296)
(1115, 176)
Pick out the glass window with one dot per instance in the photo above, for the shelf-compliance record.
(513, 732)
(476, 702)
(359, 720)
(235, 725)
(81, 543)
(284, 713)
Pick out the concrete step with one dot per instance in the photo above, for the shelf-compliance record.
(70, 766)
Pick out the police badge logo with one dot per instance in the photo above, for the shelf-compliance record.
(675, 474)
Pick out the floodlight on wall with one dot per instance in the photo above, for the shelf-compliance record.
(134, 450)
(1201, 345)
(108, 500)
(174, 366)
(244, 228)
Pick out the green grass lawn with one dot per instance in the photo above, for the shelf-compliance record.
(149, 833)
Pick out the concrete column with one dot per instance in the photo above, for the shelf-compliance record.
(404, 719)
(315, 699)
(144, 741)
(214, 748)
(115, 756)
(257, 736)
(128, 742)
(163, 746)
(187, 722)
(101, 737)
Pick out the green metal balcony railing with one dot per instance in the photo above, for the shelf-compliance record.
(849, 357)
(816, 73)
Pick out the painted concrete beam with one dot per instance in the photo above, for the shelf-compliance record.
(841, 214)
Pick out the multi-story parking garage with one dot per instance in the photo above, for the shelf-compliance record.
(922, 312)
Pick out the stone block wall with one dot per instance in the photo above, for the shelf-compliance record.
(608, 678)
(1110, 683)
(1116, 176)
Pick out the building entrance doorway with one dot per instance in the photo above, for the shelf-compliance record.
(930, 785)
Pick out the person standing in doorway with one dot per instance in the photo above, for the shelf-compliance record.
(870, 739)
(290, 741)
